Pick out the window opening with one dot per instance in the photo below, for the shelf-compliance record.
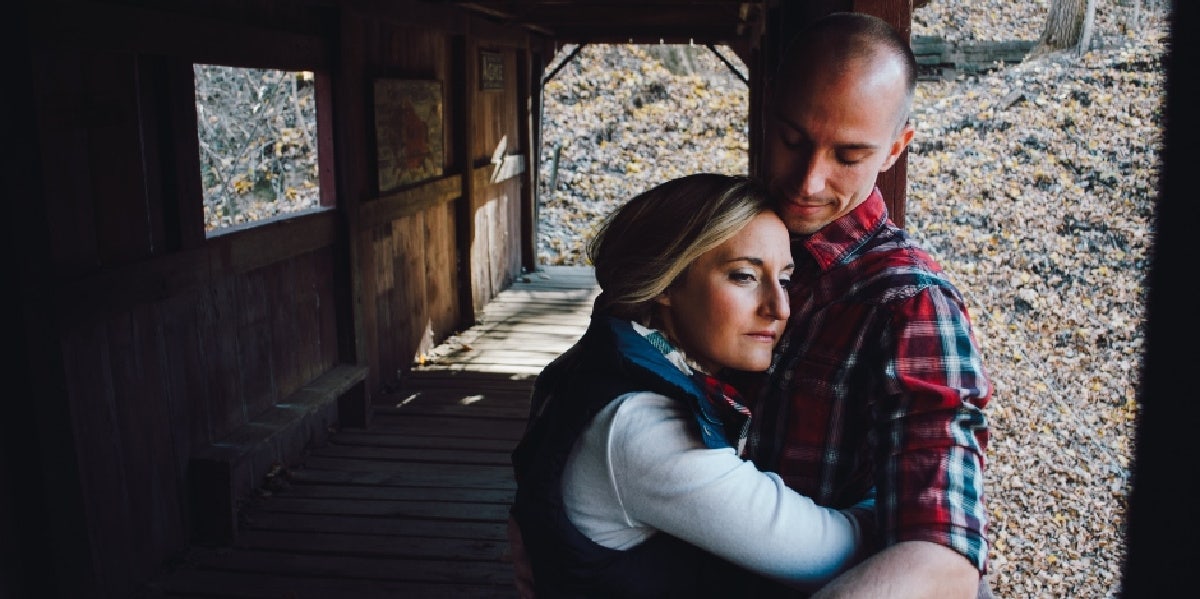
(618, 119)
(257, 130)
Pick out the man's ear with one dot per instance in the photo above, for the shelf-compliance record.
(903, 138)
(663, 299)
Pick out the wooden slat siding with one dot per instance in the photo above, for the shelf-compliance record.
(409, 259)
(415, 505)
(70, 207)
(382, 294)
(441, 283)
(115, 148)
(494, 205)
(393, 313)
(152, 480)
(255, 341)
(87, 355)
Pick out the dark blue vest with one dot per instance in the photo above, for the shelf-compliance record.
(610, 360)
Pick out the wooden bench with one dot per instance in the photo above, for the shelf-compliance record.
(228, 471)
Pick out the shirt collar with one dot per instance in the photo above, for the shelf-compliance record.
(836, 240)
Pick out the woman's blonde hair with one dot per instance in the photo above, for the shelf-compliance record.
(643, 247)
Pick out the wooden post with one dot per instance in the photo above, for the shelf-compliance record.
(528, 71)
(462, 122)
(894, 182)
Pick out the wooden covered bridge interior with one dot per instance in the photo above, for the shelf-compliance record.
(246, 413)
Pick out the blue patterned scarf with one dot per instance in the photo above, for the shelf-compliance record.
(724, 399)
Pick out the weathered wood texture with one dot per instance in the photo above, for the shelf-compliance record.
(496, 203)
(161, 342)
(416, 504)
(153, 382)
(422, 244)
(403, 242)
(941, 59)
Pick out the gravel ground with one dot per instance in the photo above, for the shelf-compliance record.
(1034, 185)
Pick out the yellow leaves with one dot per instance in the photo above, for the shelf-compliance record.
(242, 186)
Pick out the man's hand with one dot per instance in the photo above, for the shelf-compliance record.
(909, 570)
(520, 560)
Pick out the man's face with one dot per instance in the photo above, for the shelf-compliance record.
(830, 132)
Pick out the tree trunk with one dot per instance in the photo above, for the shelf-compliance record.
(1085, 35)
(1068, 26)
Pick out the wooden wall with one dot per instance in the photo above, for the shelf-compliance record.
(147, 343)
(436, 252)
(497, 186)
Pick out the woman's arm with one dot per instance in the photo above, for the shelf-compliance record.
(641, 467)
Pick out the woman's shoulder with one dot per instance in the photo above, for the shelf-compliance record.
(649, 423)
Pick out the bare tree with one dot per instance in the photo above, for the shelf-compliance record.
(1068, 27)
(1135, 16)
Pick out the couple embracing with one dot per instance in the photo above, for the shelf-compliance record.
(779, 393)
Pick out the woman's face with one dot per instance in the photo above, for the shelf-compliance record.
(730, 307)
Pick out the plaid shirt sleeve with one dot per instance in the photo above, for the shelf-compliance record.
(932, 431)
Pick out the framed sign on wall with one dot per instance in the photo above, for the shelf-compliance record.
(491, 70)
(409, 138)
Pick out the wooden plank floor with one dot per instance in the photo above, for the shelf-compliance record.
(416, 505)
(524, 327)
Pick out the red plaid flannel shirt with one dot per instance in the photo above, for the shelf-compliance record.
(878, 382)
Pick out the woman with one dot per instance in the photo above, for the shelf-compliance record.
(629, 479)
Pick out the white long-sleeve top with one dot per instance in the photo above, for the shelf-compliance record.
(639, 468)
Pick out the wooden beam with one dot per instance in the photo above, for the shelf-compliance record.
(169, 275)
(462, 122)
(407, 202)
(271, 242)
(528, 73)
(115, 26)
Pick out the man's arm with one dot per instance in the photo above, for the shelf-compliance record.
(930, 478)
(907, 570)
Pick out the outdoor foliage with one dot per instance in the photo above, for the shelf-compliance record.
(258, 143)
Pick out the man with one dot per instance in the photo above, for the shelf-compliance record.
(878, 382)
